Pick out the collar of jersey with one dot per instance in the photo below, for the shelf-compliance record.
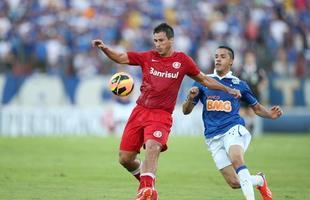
(228, 75)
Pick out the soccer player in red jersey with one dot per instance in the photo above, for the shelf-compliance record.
(163, 70)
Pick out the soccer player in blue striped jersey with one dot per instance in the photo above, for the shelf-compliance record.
(225, 132)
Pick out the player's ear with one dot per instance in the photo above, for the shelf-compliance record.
(231, 62)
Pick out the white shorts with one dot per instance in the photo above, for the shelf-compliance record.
(220, 144)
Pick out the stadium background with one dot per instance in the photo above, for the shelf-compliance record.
(52, 83)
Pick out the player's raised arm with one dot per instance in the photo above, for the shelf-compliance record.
(215, 85)
(189, 105)
(272, 113)
(118, 57)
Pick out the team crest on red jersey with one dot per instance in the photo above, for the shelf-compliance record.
(176, 65)
(158, 134)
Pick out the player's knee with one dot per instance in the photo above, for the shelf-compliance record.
(237, 162)
(124, 160)
(236, 156)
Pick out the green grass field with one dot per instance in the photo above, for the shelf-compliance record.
(86, 168)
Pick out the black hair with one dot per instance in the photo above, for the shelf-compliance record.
(164, 27)
(230, 51)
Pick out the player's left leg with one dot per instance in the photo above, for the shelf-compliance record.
(157, 125)
(149, 167)
(236, 141)
(232, 178)
(222, 161)
(236, 156)
(129, 160)
(219, 147)
(263, 188)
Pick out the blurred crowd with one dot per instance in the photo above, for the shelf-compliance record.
(53, 36)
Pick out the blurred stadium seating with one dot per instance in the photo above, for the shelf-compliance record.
(46, 60)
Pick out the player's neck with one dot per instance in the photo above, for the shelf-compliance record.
(222, 73)
(168, 54)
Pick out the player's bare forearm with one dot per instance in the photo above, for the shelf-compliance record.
(272, 113)
(118, 57)
(261, 110)
(189, 104)
(215, 85)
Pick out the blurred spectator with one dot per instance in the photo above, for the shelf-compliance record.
(300, 68)
(281, 66)
(278, 27)
(257, 80)
(53, 36)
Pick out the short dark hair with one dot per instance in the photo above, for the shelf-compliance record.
(230, 51)
(164, 27)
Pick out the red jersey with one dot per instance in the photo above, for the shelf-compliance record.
(161, 77)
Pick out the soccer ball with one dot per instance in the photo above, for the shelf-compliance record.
(121, 84)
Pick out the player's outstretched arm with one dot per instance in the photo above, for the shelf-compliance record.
(189, 105)
(273, 113)
(215, 85)
(118, 57)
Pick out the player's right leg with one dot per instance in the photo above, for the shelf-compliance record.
(131, 143)
(130, 161)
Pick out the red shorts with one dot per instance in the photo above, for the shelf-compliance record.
(144, 124)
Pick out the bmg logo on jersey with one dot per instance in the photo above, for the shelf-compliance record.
(218, 105)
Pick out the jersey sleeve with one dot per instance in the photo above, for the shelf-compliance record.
(192, 68)
(136, 58)
(247, 95)
(199, 96)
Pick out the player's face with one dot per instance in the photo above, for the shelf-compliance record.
(162, 44)
(222, 61)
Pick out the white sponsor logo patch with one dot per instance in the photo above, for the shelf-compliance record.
(158, 134)
(165, 74)
(176, 65)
